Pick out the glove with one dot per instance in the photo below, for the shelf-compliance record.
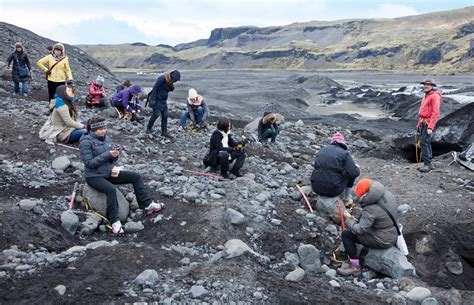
(430, 131)
(69, 82)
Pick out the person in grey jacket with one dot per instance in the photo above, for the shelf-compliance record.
(374, 228)
(100, 173)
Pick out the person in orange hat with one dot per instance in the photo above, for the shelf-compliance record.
(374, 228)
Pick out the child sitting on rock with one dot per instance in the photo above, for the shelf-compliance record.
(99, 158)
(97, 96)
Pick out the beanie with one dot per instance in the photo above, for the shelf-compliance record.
(135, 89)
(192, 94)
(100, 79)
(18, 45)
(175, 75)
(362, 187)
(338, 137)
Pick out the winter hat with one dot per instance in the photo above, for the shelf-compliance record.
(18, 45)
(428, 81)
(338, 137)
(175, 75)
(192, 94)
(362, 187)
(98, 125)
(100, 80)
(59, 46)
(135, 89)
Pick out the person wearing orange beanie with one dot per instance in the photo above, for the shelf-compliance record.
(374, 228)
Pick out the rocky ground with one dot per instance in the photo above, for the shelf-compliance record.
(217, 241)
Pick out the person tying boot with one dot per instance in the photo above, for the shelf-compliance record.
(127, 103)
(375, 227)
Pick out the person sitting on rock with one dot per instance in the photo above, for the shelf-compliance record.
(21, 69)
(223, 150)
(374, 228)
(197, 110)
(128, 104)
(334, 170)
(99, 158)
(62, 125)
(97, 96)
(267, 127)
(126, 84)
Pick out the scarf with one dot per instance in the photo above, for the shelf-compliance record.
(225, 138)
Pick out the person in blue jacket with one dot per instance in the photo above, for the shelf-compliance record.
(157, 99)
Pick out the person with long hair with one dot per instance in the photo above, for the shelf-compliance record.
(21, 69)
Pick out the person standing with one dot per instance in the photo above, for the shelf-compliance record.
(57, 69)
(157, 100)
(196, 110)
(427, 117)
(21, 69)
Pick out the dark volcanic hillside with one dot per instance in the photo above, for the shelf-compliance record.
(84, 67)
(440, 42)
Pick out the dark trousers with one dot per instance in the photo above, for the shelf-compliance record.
(223, 158)
(107, 186)
(52, 88)
(349, 240)
(164, 119)
(425, 139)
(270, 133)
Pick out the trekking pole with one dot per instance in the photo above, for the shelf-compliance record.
(67, 146)
(73, 196)
(343, 224)
(204, 174)
(305, 198)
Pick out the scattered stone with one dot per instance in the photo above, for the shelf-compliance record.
(90, 224)
(455, 267)
(69, 221)
(331, 273)
(27, 204)
(234, 217)
(418, 294)
(332, 229)
(299, 123)
(198, 291)
(295, 275)
(258, 295)
(146, 279)
(430, 301)
(292, 259)
(309, 258)
(61, 163)
(424, 245)
(97, 244)
(133, 227)
(334, 284)
(403, 208)
(390, 262)
(60, 289)
(360, 143)
(185, 261)
(276, 222)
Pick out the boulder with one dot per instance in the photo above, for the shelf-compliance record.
(69, 221)
(133, 227)
(90, 224)
(146, 279)
(252, 126)
(309, 258)
(98, 201)
(418, 294)
(198, 291)
(390, 262)
(295, 275)
(455, 129)
(27, 204)
(234, 217)
(61, 163)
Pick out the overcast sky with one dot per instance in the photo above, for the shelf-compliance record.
(178, 21)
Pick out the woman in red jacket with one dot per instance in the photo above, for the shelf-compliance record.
(97, 96)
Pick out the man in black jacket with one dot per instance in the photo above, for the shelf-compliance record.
(223, 150)
(334, 169)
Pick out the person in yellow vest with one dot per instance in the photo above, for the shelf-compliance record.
(57, 69)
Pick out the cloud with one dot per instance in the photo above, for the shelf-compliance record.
(391, 11)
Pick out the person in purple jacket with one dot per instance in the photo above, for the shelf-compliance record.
(126, 101)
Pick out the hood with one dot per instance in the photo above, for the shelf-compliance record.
(135, 89)
(195, 103)
(59, 46)
(376, 191)
(434, 92)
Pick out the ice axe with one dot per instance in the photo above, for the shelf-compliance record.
(73, 196)
(305, 198)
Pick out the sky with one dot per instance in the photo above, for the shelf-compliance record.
(180, 21)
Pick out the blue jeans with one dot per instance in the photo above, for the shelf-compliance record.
(269, 133)
(198, 114)
(76, 135)
(164, 119)
(24, 86)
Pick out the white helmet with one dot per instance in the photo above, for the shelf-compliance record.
(192, 94)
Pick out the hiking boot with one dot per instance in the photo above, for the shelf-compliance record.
(425, 168)
(149, 134)
(181, 128)
(225, 175)
(236, 173)
(166, 135)
(136, 117)
(355, 270)
(153, 208)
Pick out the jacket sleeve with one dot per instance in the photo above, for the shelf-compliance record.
(158, 84)
(206, 110)
(67, 69)
(351, 169)
(88, 158)
(126, 97)
(42, 63)
(66, 117)
(9, 60)
(27, 62)
(436, 102)
(365, 223)
(94, 91)
(260, 129)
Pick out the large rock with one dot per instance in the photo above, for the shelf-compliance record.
(90, 224)
(252, 126)
(309, 258)
(27, 204)
(457, 128)
(69, 221)
(147, 279)
(234, 217)
(295, 275)
(390, 262)
(198, 291)
(61, 163)
(98, 201)
(418, 294)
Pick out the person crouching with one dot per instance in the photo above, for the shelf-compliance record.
(99, 158)
(267, 127)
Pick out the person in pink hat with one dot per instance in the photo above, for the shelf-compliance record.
(334, 169)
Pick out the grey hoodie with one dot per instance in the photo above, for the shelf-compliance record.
(375, 229)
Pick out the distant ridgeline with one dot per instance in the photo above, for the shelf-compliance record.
(436, 42)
